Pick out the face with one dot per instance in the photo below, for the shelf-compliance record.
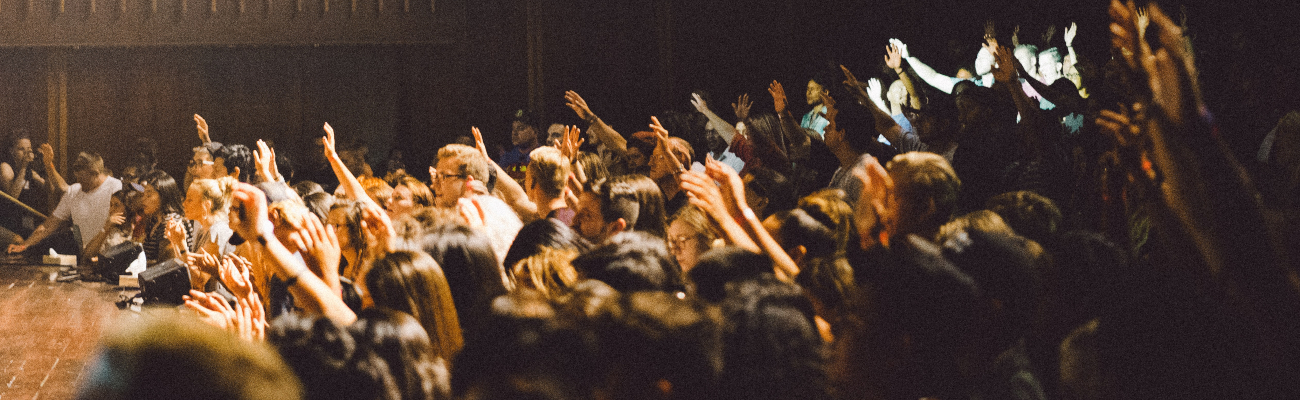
(554, 133)
(814, 93)
(983, 62)
(1049, 68)
(897, 93)
(449, 186)
(635, 158)
(201, 166)
(150, 201)
(522, 134)
(196, 207)
(402, 201)
(339, 219)
(588, 220)
(1027, 59)
(964, 74)
(23, 151)
(686, 244)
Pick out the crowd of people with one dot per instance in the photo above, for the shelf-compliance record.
(1041, 226)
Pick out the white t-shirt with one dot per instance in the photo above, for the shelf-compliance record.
(88, 211)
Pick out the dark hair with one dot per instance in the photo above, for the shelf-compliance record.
(471, 268)
(403, 345)
(1029, 214)
(859, 126)
(771, 348)
(88, 160)
(721, 267)
(321, 353)
(10, 142)
(798, 228)
(543, 233)
(305, 188)
(646, 338)
(637, 200)
(169, 193)
(632, 261)
(686, 125)
(773, 186)
(319, 203)
(1004, 269)
(237, 156)
(351, 222)
(411, 282)
(528, 117)
(526, 343)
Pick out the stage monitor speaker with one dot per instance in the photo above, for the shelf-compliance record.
(114, 261)
(165, 282)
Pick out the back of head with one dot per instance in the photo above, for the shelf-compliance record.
(218, 191)
(982, 220)
(637, 200)
(471, 268)
(771, 346)
(549, 272)
(305, 188)
(1030, 214)
(827, 206)
(412, 282)
(468, 161)
(182, 358)
(925, 189)
(237, 156)
(721, 267)
(774, 187)
(540, 234)
(655, 345)
(1003, 267)
(323, 355)
(549, 169)
(401, 343)
(630, 262)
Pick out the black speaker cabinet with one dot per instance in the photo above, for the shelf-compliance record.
(165, 282)
(114, 261)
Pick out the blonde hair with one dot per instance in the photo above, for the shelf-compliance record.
(982, 220)
(919, 178)
(549, 272)
(219, 191)
(470, 161)
(695, 218)
(549, 169)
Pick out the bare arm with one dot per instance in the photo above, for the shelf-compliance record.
(43, 231)
(56, 182)
(725, 129)
(507, 188)
(794, 141)
(1005, 76)
(603, 133)
(927, 74)
(351, 186)
(11, 180)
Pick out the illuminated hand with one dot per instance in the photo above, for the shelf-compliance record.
(894, 57)
(579, 106)
(902, 47)
(741, 107)
(201, 126)
(1070, 31)
(778, 96)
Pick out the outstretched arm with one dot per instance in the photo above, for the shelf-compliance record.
(56, 182)
(507, 188)
(927, 74)
(351, 186)
(1005, 76)
(201, 125)
(725, 129)
(603, 133)
(885, 123)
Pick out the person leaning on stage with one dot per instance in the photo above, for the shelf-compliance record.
(85, 204)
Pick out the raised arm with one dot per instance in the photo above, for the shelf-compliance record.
(201, 125)
(725, 129)
(249, 219)
(56, 182)
(603, 133)
(927, 74)
(894, 60)
(792, 137)
(507, 188)
(1005, 76)
(351, 186)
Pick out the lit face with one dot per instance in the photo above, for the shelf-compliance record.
(402, 201)
(554, 133)
(1028, 60)
(219, 168)
(1049, 68)
(201, 166)
(150, 201)
(983, 62)
(23, 152)
(814, 93)
(686, 244)
(897, 94)
(522, 134)
(588, 221)
(196, 206)
(450, 186)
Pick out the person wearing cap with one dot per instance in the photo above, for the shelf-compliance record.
(524, 138)
(85, 204)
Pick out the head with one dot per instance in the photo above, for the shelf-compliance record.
(456, 164)
(631, 261)
(327, 359)
(305, 188)
(857, 127)
(592, 166)
(982, 220)
(88, 170)
(202, 165)
(162, 195)
(549, 272)
(802, 236)
(149, 358)
(897, 94)
(1027, 55)
(655, 345)
(814, 92)
(542, 234)
(18, 149)
(473, 273)
(721, 270)
(408, 195)
(1049, 65)
(411, 282)
(828, 208)
(208, 198)
(398, 339)
(690, 234)
(548, 171)
(554, 133)
(524, 129)
(345, 217)
(936, 122)
(1030, 214)
(925, 192)
(771, 346)
(1003, 267)
(623, 203)
(234, 160)
(767, 191)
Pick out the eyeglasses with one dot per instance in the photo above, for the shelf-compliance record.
(198, 163)
(439, 176)
(678, 244)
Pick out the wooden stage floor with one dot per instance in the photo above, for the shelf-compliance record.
(48, 330)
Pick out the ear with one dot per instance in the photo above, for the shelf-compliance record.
(614, 228)
(235, 173)
(798, 253)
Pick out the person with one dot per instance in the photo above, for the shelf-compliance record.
(164, 231)
(549, 272)
(179, 357)
(983, 75)
(690, 234)
(624, 203)
(18, 176)
(398, 339)
(409, 194)
(85, 205)
(412, 282)
(471, 268)
(926, 190)
(207, 202)
(234, 160)
(524, 137)
(630, 262)
(815, 119)
(1050, 65)
(455, 166)
(202, 165)
(544, 182)
(119, 225)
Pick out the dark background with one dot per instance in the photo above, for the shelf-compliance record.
(629, 59)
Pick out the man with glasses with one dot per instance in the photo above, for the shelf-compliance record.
(456, 166)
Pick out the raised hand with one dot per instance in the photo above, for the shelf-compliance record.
(579, 106)
(211, 309)
(830, 112)
(731, 187)
(250, 319)
(894, 58)
(778, 96)
(874, 89)
(471, 211)
(661, 153)
(203, 263)
(699, 104)
(1049, 34)
(704, 193)
(570, 143)
(741, 107)
(1004, 66)
(378, 230)
(871, 215)
(47, 152)
(263, 160)
(176, 233)
(478, 143)
(1070, 31)
(850, 80)
(328, 141)
(1015, 37)
(989, 30)
(201, 126)
(320, 248)
(902, 47)
(236, 273)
